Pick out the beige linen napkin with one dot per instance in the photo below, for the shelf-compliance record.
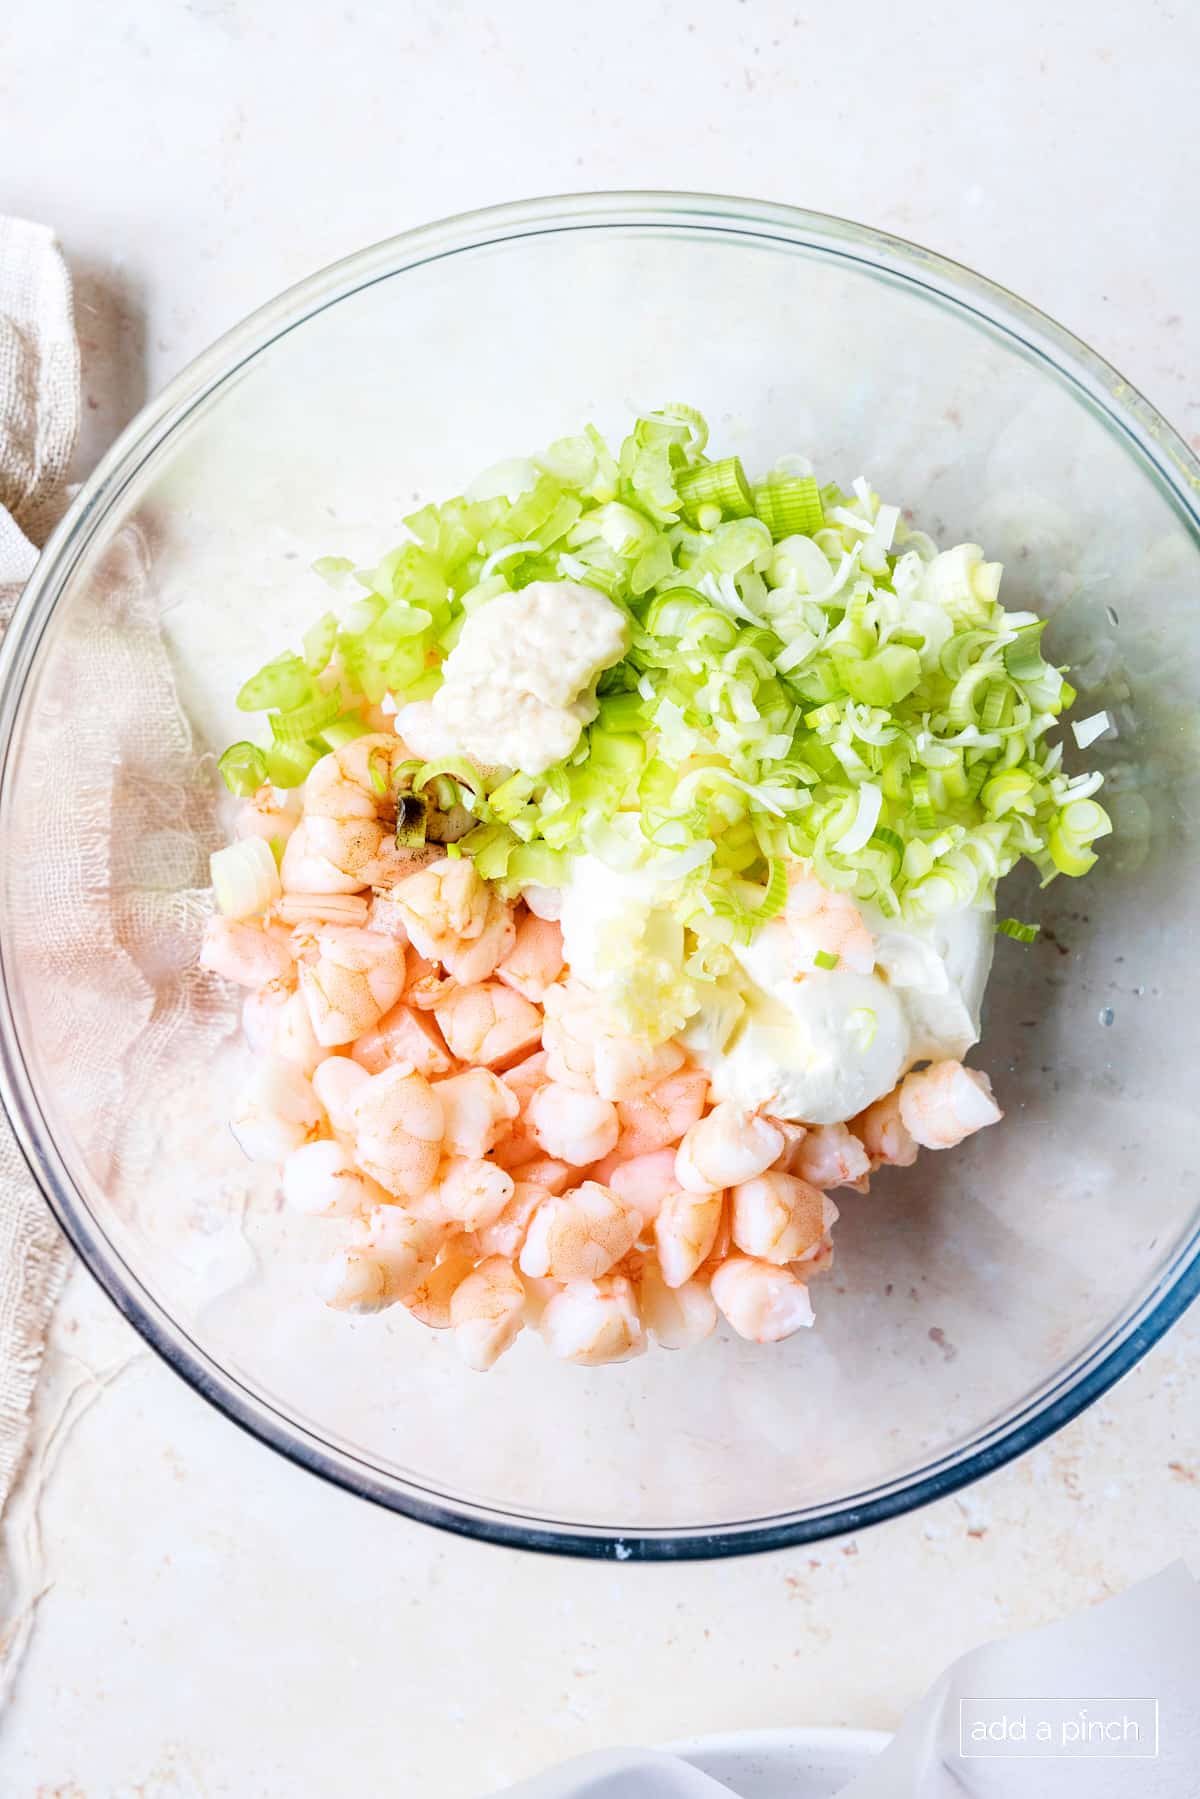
(39, 419)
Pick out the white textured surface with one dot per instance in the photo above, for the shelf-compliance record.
(217, 1623)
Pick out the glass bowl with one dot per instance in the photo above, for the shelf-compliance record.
(980, 1299)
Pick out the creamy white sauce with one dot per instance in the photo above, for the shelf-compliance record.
(517, 686)
(817, 1049)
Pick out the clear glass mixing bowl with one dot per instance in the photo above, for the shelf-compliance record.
(980, 1299)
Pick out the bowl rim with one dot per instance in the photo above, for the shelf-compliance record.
(1098, 1365)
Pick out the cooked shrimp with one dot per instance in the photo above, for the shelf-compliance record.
(429, 1301)
(454, 917)
(793, 1136)
(820, 921)
(580, 1236)
(278, 1113)
(884, 1134)
(247, 953)
(398, 1126)
(469, 1191)
(505, 1235)
(679, 1317)
(404, 1035)
(536, 959)
(728, 1146)
(320, 1179)
(548, 1172)
(945, 1103)
(489, 1025)
(386, 1257)
(295, 1039)
(684, 1233)
(357, 976)
(588, 1049)
(346, 841)
(273, 812)
(477, 1108)
(645, 1181)
(321, 908)
(779, 1218)
(427, 986)
(488, 1313)
(651, 1120)
(575, 1127)
(383, 914)
(517, 1145)
(593, 1322)
(831, 1156)
(761, 1302)
(260, 1016)
(337, 1083)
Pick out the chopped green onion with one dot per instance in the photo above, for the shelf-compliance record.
(883, 679)
(1023, 933)
(319, 641)
(790, 504)
(1087, 730)
(344, 730)
(823, 959)
(412, 815)
(308, 720)
(290, 764)
(722, 484)
(283, 683)
(243, 769)
(244, 877)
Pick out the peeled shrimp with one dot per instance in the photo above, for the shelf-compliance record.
(294, 1039)
(593, 1322)
(386, 1257)
(469, 1191)
(429, 1301)
(321, 908)
(488, 1312)
(355, 978)
(337, 1083)
(260, 1016)
(398, 1126)
(761, 1302)
(404, 1035)
(345, 840)
(831, 1156)
(580, 1236)
(651, 1120)
(645, 1181)
(945, 1103)
(576, 1127)
(588, 1049)
(273, 812)
(477, 1108)
(778, 1218)
(728, 1146)
(536, 959)
(489, 1025)
(517, 1146)
(455, 918)
(505, 1235)
(427, 986)
(684, 1233)
(679, 1317)
(793, 1136)
(884, 1134)
(320, 1179)
(819, 920)
(278, 1113)
(245, 952)
(548, 1172)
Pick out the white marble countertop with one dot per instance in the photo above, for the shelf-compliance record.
(213, 1621)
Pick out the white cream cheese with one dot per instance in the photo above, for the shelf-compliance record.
(817, 1049)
